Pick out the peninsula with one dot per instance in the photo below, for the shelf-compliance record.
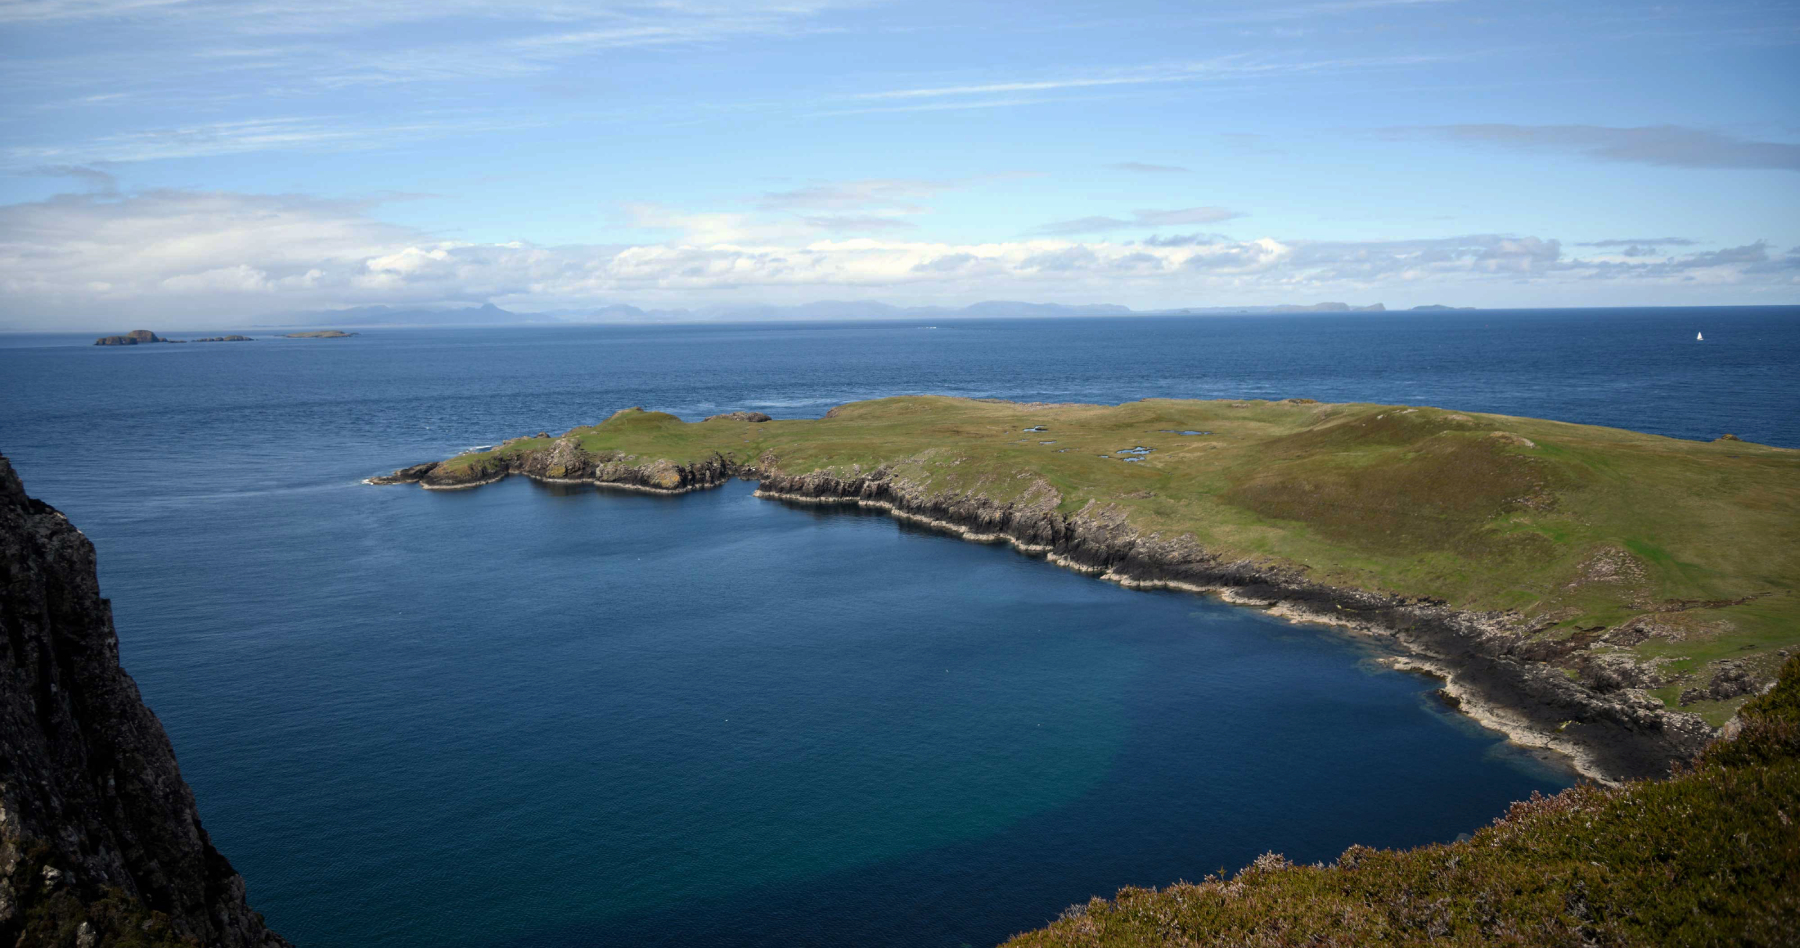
(1612, 595)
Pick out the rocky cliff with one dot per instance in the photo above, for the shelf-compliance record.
(100, 841)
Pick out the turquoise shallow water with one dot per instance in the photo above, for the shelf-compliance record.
(533, 716)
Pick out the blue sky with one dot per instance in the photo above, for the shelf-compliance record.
(228, 159)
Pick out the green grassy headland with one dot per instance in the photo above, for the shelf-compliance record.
(1692, 547)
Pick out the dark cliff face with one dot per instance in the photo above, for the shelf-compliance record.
(100, 842)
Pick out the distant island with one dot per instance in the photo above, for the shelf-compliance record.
(1438, 308)
(142, 337)
(320, 334)
(136, 337)
(1567, 581)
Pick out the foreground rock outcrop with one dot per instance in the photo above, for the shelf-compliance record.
(100, 841)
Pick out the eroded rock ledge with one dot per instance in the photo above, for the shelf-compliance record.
(1485, 659)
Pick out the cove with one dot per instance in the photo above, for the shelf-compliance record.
(546, 715)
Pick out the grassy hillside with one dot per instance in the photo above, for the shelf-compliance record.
(1710, 856)
(1670, 563)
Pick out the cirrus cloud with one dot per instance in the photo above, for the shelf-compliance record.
(1139, 218)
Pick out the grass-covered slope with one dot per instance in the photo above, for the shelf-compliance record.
(1645, 561)
(1709, 856)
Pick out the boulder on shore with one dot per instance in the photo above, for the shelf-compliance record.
(752, 416)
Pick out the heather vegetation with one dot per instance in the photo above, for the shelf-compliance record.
(1639, 561)
(1708, 856)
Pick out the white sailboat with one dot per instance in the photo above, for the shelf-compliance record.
(1699, 337)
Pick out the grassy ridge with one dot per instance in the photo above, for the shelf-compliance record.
(1710, 856)
(1679, 558)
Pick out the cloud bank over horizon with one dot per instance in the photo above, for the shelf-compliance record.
(218, 256)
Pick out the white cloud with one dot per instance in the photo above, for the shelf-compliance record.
(291, 133)
(1222, 67)
(208, 256)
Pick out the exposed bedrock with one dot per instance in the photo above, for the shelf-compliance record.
(100, 842)
(565, 462)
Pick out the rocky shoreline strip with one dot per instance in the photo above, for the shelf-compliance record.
(1479, 656)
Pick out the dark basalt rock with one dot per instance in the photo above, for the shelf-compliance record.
(751, 416)
(100, 842)
(406, 475)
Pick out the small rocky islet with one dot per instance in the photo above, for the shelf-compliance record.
(144, 337)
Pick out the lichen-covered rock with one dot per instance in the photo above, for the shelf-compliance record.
(1730, 679)
(100, 841)
(750, 416)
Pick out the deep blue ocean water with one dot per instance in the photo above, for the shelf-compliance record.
(533, 716)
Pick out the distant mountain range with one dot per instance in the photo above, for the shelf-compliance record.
(490, 315)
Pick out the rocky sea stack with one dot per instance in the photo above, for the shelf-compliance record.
(100, 841)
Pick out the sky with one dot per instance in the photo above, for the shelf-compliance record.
(208, 161)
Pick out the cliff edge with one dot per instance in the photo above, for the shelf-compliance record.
(100, 841)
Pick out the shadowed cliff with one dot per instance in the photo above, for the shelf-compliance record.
(100, 842)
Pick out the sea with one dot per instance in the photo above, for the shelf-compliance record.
(531, 715)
